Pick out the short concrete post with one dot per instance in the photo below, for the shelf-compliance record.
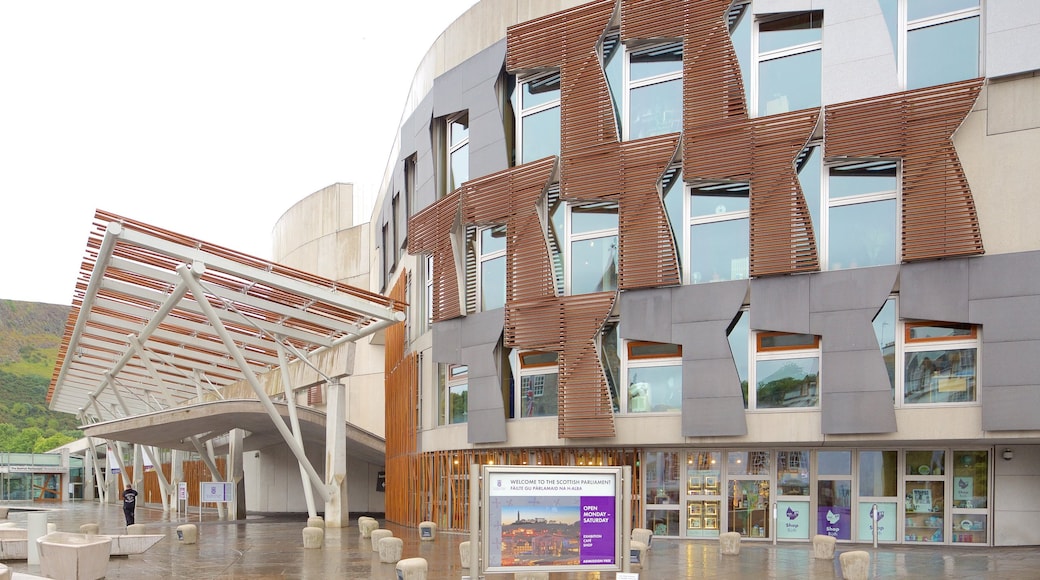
(855, 565)
(466, 555)
(313, 537)
(135, 529)
(823, 547)
(316, 522)
(89, 529)
(412, 569)
(366, 526)
(188, 533)
(379, 535)
(3, 512)
(643, 535)
(729, 543)
(52, 527)
(390, 550)
(531, 576)
(637, 554)
(36, 527)
(427, 531)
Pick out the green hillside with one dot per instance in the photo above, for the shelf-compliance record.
(30, 334)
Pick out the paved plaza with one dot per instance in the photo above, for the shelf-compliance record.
(271, 546)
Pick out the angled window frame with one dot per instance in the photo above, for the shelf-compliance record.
(663, 363)
(532, 85)
(905, 27)
(537, 375)
(589, 237)
(759, 56)
(961, 347)
(667, 123)
(776, 347)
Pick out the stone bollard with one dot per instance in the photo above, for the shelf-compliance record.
(390, 550)
(366, 526)
(135, 529)
(88, 529)
(466, 555)
(52, 527)
(188, 533)
(5, 572)
(637, 553)
(823, 547)
(729, 543)
(855, 565)
(379, 535)
(531, 576)
(643, 535)
(316, 522)
(313, 537)
(427, 531)
(412, 569)
(3, 512)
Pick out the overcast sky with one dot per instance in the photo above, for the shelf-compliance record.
(209, 118)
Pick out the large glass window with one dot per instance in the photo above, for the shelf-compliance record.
(491, 267)
(539, 386)
(661, 472)
(718, 226)
(854, 210)
(457, 133)
(787, 371)
(739, 336)
(427, 304)
(455, 379)
(935, 41)
(654, 377)
(789, 62)
(939, 362)
(970, 496)
(539, 106)
(593, 238)
(749, 493)
(654, 77)
(878, 495)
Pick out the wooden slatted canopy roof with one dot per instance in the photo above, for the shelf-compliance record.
(138, 339)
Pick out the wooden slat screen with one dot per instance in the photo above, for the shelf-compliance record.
(195, 474)
(401, 386)
(585, 408)
(938, 212)
(648, 256)
(431, 231)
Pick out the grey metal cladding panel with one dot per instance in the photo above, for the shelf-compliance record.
(488, 159)
(1011, 408)
(484, 67)
(486, 426)
(935, 290)
(850, 289)
(853, 413)
(713, 417)
(711, 379)
(703, 340)
(646, 315)
(842, 331)
(1005, 275)
(853, 372)
(1007, 319)
(447, 93)
(1009, 364)
(483, 328)
(780, 303)
(447, 341)
(714, 301)
(482, 100)
(1012, 27)
(484, 393)
(481, 361)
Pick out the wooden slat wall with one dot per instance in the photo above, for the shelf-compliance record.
(195, 474)
(648, 255)
(430, 232)
(401, 376)
(938, 213)
(585, 407)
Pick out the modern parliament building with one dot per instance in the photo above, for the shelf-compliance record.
(778, 253)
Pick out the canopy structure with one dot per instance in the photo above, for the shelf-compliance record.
(161, 320)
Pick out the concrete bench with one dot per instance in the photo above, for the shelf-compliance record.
(855, 565)
(412, 569)
(89, 529)
(427, 531)
(313, 538)
(823, 547)
(188, 533)
(729, 543)
(379, 535)
(65, 555)
(390, 550)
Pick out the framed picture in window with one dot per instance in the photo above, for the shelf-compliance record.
(696, 484)
(922, 500)
(711, 508)
(695, 509)
(695, 523)
(711, 523)
(711, 483)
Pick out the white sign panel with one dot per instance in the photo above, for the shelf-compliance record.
(217, 492)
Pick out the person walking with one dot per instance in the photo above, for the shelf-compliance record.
(129, 497)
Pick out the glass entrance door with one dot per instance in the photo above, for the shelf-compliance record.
(46, 487)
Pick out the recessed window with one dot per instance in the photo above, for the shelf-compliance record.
(539, 127)
(789, 49)
(787, 371)
(654, 81)
(939, 362)
(539, 386)
(654, 377)
(456, 386)
(592, 248)
(491, 267)
(934, 42)
(457, 148)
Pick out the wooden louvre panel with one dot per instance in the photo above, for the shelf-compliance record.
(430, 233)
(652, 19)
(648, 256)
(401, 403)
(717, 142)
(782, 239)
(585, 406)
(315, 395)
(938, 212)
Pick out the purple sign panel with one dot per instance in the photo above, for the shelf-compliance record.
(597, 530)
(834, 521)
